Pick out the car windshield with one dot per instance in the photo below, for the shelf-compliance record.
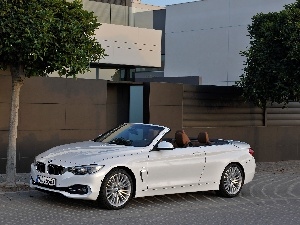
(137, 135)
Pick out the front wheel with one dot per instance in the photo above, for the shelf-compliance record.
(116, 189)
(232, 181)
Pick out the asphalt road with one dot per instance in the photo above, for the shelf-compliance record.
(273, 197)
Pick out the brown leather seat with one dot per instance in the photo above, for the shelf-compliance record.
(203, 138)
(182, 140)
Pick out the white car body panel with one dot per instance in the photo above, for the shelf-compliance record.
(155, 172)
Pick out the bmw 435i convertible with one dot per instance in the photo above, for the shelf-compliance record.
(135, 160)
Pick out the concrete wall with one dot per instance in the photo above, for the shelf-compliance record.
(129, 45)
(107, 13)
(117, 105)
(271, 144)
(165, 104)
(204, 38)
(213, 106)
(125, 47)
(221, 112)
(140, 7)
(55, 111)
(152, 20)
(158, 77)
(123, 44)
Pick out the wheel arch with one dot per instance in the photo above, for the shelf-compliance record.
(221, 190)
(230, 163)
(239, 164)
(103, 202)
(129, 171)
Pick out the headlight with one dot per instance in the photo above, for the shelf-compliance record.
(82, 170)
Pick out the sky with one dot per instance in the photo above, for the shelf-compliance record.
(164, 2)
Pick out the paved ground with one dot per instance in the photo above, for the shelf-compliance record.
(273, 197)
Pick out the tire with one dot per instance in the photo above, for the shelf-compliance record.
(232, 181)
(116, 189)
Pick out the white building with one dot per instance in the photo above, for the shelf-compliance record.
(127, 47)
(200, 39)
(204, 38)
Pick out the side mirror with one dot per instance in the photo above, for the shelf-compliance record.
(164, 145)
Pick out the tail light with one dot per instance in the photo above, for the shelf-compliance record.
(251, 151)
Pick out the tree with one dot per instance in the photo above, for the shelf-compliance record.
(272, 71)
(38, 37)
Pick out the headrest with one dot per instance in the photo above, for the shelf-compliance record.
(181, 138)
(203, 138)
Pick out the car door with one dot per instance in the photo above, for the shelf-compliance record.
(217, 158)
(177, 167)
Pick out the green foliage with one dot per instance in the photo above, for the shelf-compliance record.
(272, 71)
(48, 35)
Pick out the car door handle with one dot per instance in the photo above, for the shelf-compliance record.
(197, 153)
(143, 170)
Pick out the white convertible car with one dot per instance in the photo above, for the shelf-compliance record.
(134, 160)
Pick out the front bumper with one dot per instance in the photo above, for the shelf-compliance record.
(72, 186)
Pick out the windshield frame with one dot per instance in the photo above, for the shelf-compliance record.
(131, 134)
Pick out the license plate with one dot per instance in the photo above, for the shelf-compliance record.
(46, 180)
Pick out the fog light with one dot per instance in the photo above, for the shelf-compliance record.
(79, 189)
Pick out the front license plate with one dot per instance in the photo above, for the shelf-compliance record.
(46, 180)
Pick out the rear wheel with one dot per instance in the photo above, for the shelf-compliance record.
(116, 189)
(232, 181)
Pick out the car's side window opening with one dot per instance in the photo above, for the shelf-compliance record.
(181, 140)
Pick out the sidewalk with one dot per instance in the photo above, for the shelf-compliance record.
(291, 166)
(22, 183)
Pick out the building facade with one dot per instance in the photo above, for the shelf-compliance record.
(204, 38)
(201, 40)
(127, 47)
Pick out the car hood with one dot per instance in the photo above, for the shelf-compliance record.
(85, 153)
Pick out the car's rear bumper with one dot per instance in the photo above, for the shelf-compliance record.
(249, 169)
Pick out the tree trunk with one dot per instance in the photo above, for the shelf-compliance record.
(17, 73)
